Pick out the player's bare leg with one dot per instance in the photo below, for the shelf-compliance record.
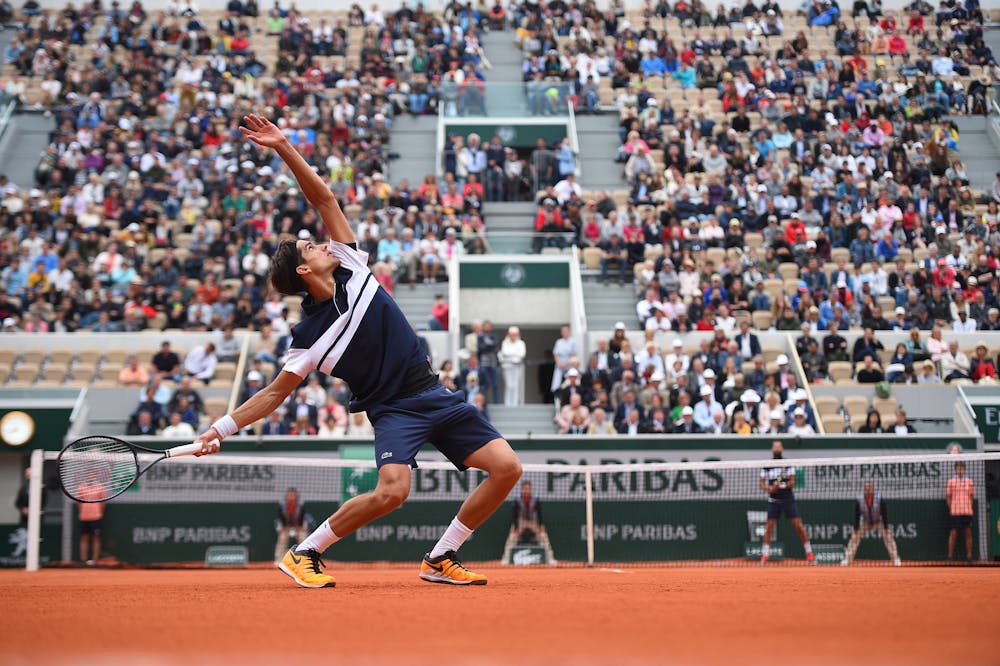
(85, 547)
(95, 546)
(890, 545)
(768, 532)
(497, 459)
(303, 563)
(951, 543)
(968, 544)
(804, 538)
(852, 545)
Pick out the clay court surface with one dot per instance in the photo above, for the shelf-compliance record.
(808, 615)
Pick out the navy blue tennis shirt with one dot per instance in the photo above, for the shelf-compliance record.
(361, 336)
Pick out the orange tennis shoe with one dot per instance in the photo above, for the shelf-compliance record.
(447, 569)
(306, 569)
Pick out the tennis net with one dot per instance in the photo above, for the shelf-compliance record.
(687, 513)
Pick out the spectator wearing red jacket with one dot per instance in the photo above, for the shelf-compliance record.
(793, 228)
(982, 365)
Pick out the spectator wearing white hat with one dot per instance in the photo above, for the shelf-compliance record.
(706, 408)
(687, 425)
(749, 407)
(782, 374)
(677, 354)
(512, 354)
(573, 386)
(799, 426)
(799, 400)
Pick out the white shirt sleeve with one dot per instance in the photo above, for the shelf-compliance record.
(299, 362)
(349, 257)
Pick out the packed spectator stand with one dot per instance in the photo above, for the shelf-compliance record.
(794, 171)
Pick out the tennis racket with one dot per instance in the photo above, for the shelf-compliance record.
(99, 468)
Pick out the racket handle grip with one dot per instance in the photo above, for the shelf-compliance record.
(187, 449)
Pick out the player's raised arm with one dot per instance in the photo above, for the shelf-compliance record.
(260, 405)
(266, 134)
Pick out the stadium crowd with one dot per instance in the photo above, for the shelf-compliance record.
(828, 194)
(832, 171)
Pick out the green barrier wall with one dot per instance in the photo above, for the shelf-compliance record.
(624, 531)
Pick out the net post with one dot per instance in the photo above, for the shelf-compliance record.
(983, 508)
(34, 511)
(588, 483)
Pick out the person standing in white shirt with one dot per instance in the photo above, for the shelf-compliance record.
(200, 362)
(563, 351)
(512, 354)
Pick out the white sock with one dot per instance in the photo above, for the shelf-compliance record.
(452, 539)
(808, 547)
(322, 538)
(765, 550)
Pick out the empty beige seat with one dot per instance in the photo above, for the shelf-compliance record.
(47, 384)
(225, 371)
(855, 405)
(116, 355)
(788, 271)
(83, 372)
(761, 320)
(33, 356)
(773, 287)
(62, 356)
(55, 372)
(25, 372)
(833, 423)
(840, 370)
(216, 405)
(886, 407)
(826, 405)
(90, 355)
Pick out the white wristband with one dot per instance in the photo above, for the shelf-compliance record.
(225, 426)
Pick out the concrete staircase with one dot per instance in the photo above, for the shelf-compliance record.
(507, 98)
(598, 138)
(606, 304)
(980, 155)
(509, 226)
(416, 302)
(414, 139)
(26, 139)
(512, 421)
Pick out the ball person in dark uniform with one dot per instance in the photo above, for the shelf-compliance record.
(779, 482)
(291, 518)
(526, 525)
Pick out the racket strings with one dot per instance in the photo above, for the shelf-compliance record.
(97, 468)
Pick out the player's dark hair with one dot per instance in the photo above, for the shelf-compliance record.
(283, 276)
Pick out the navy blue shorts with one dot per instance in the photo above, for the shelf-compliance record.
(776, 507)
(438, 416)
(90, 527)
(960, 522)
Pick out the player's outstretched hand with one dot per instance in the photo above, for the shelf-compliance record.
(261, 131)
(210, 442)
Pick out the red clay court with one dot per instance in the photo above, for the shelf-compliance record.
(810, 615)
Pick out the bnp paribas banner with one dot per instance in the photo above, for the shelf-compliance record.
(697, 514)
(207, 482)
(626, 531)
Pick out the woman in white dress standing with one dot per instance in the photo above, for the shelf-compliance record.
(512, 354)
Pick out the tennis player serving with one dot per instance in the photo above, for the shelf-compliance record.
(352, 329)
